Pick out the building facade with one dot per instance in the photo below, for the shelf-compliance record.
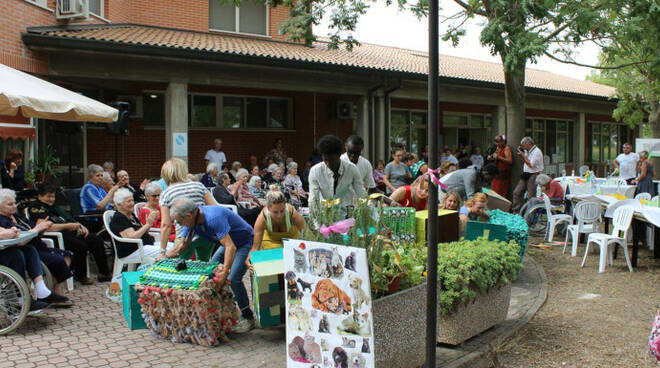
(196, 70)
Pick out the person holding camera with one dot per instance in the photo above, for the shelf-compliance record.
(532, 166)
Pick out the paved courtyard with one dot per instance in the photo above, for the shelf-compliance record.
(93, 333)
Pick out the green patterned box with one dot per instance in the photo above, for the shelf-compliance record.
(268, 286)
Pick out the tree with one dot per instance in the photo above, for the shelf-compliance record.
(631, 59)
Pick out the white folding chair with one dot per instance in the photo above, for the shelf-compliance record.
(128, 260)
(621, 222)
(587, 217)
(553, 220)
(630, 192)
(137, 207)
(644, 196)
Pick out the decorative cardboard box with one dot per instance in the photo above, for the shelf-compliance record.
(496, 201)
(187, 305)
(399, 222)
(132, 310)
(268, 286)
(447, 225)
(492, 232)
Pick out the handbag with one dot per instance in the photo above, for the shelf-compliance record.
(654, 339)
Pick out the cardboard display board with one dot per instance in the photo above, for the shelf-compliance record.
(268, 286)
(652, 145)
(328, 304)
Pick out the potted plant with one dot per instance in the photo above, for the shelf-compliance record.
(29, 179)
(44, 165)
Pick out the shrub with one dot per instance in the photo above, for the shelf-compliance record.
(468, 267)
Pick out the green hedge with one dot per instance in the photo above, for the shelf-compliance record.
(468, 267)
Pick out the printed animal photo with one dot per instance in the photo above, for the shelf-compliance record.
(325, 263)
(305, 350)
(299, 319)
(357, 324)
(328, 297)
(294, 295)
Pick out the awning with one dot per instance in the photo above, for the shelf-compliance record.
(36, 98)
(17, 133)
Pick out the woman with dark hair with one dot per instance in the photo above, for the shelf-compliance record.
(12, 170)
(503, 158)
(396, 172)
(77, 238)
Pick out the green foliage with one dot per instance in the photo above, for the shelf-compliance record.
(466, 268)
(46, 162)
(630, 51)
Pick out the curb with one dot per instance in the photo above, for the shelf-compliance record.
(478, 358)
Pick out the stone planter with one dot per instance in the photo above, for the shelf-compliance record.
(400, 328)
(472, 318)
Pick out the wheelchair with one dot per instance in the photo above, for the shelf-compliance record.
(15, 298)
(536, 217)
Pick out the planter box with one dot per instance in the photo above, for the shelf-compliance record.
(483, 312)
(400, 328)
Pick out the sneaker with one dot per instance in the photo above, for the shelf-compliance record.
(244, 325)
(37, 305)
(57, 301)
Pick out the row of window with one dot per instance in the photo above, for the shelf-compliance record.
(605, 141)
(224, 111)
(553, 137)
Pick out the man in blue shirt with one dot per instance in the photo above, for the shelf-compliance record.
(221, 226)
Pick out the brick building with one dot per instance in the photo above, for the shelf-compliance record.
(207, 71)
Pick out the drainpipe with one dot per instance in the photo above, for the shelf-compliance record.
(372, 138)
(388, 114)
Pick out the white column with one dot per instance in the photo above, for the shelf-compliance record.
(363, 125)
(380, 135)
(499, 120)
(176, 120)
(580, 135)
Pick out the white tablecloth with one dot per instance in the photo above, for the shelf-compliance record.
(589, 188)
(651, 214)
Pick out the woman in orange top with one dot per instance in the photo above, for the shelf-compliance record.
(503, 158)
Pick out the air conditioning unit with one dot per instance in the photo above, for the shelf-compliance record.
(344, 110)
(72, 9)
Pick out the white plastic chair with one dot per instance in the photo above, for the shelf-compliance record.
(232, 207)
(587, 217)
(630, 192)
(128, 260)
(644, 196)
(553, 220)
(583, 170)
(137, 207)
(621, 222)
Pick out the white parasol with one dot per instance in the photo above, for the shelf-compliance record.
(37, 98)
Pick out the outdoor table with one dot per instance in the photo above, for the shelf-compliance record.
(647, 214)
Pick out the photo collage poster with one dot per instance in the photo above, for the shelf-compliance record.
(328, 306)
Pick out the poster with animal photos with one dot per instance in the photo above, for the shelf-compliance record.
(329, 312)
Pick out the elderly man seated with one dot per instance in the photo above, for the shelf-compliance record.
(126, 225)
(552, 188)
(123, 181)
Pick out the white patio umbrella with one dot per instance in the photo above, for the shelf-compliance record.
(37, 98)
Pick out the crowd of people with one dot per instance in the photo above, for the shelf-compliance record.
(230, 210)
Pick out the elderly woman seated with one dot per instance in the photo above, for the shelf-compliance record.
(126, 225)
(242, 193)
(57, 260)
(152, 191)
(294, 185)
(255, 185)
(211, 173)
(473, 210)
(76, 237)
(24, 260)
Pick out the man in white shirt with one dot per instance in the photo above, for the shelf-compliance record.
(532, 158)
(627, 163)
(334, 177)
(215, 154)
(354, 145)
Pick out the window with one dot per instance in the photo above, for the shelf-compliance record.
(153, 109)
(553, 137)
(96, 7)
(409, 127)
(248, 18)
(237, 112)
(42, 3)
(202, 112)
(605, 140)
